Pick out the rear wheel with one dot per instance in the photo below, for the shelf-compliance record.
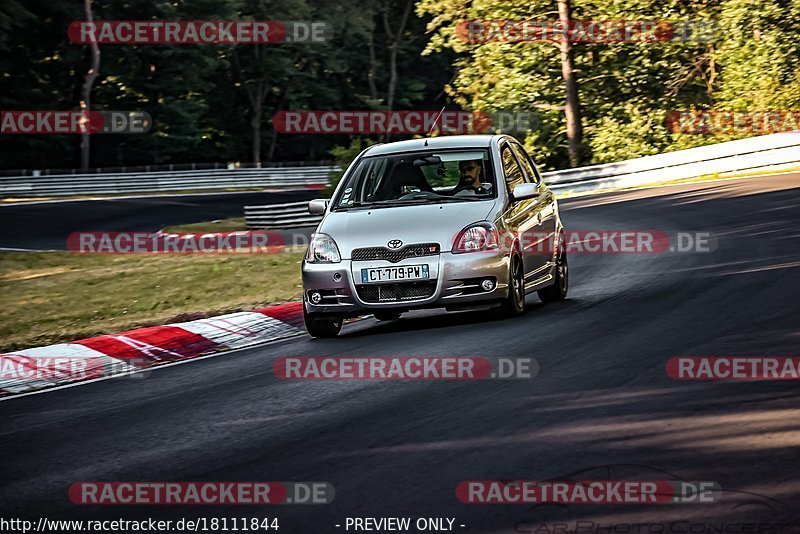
(558, 291)
(514, 304)
(322, 327)
(386, 315)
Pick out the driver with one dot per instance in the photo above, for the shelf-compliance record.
(471, 172)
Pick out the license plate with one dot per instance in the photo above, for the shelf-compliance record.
(395, 274)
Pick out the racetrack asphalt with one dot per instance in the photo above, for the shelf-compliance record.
(46, 225)
(601, 406)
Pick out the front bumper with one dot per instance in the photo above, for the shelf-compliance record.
(453, 283)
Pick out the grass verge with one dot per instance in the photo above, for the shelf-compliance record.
(50, 297)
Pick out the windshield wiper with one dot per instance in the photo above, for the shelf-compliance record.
(353, 205)
(377, 204)
(407, 202)
(446, 199)
(468, 199)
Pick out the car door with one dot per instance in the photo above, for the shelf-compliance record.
(520, 216)
(545, 207)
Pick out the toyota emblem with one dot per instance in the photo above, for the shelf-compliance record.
(395, 243)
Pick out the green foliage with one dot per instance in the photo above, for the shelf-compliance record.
(762, 63)
(197, 96)
(200, 97)
(626, 89)
(630, 133)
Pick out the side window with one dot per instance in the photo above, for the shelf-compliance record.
(527, 164)
(511, 169)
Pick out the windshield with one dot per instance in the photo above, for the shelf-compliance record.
(418, 177)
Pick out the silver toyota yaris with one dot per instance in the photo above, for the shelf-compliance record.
(449, 222)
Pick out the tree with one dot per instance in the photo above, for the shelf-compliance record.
(86, 93)
(601, 93)
(394, 36)
(267, 71)
(572, 110)
(213, 103)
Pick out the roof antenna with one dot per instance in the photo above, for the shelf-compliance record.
(434, 123)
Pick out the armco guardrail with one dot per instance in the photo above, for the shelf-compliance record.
(160, 167)
(290, 215)
(740, 155)
(164, 182)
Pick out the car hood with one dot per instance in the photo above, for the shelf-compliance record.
(426, 223)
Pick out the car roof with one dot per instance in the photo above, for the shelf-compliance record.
(433, 143)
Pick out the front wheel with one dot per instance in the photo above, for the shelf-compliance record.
(321, 327)
(514, 304)
(558, 291)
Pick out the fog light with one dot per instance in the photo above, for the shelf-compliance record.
(337, 277)
(488, 284)
(316, 298)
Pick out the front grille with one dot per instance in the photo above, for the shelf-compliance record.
(409, 251)
(396, 292)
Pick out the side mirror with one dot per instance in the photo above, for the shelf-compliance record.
(525, 191)
(317, 206)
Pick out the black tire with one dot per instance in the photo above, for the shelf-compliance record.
(558, 291)
(321, 327)
(386, 315)
(514, 304)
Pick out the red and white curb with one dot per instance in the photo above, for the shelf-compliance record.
(116, 354)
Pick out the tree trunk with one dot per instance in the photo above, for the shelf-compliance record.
(255, 96)
(373, 89)
(255, 127)
(86, 96)
(272, 145)
(278, 107)
(572, 108)
(393, 41)
(390, 91)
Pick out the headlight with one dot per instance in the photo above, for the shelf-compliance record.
(475, 238)
(322, 249)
